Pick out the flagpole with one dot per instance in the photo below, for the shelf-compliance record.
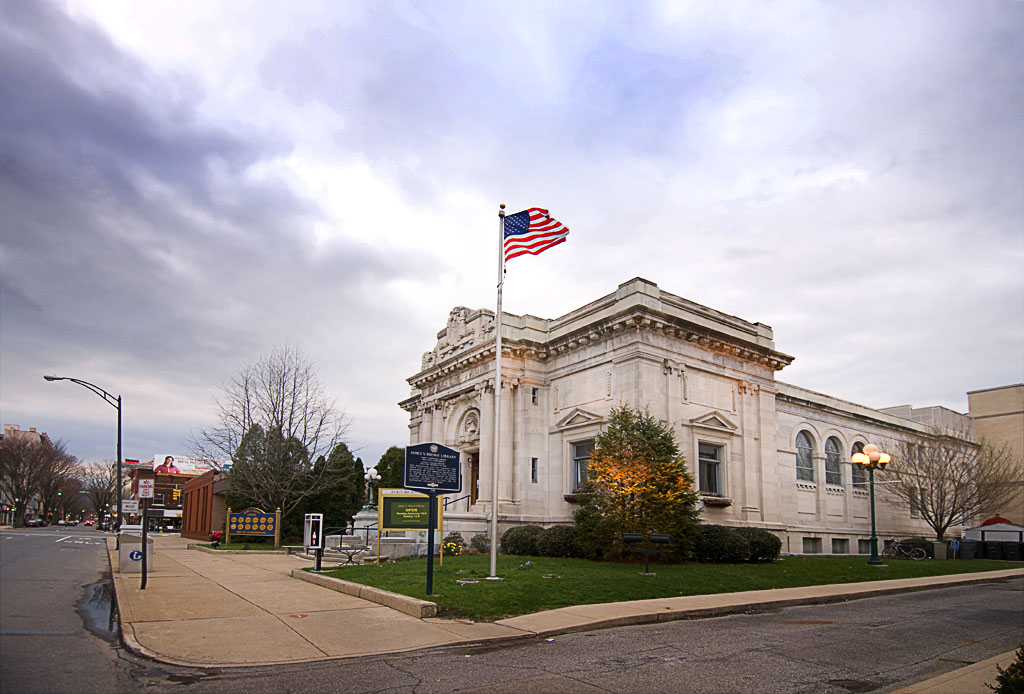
(497, 397)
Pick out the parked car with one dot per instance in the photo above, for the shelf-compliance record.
(35, 523)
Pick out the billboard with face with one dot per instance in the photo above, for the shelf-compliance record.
(182, 465)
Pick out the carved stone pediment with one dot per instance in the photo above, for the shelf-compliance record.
(466, 329)
(578, 417)
(715, 420)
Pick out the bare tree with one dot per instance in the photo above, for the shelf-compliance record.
(949, 480)
(28, 464)
(99, 479)
(273, 419)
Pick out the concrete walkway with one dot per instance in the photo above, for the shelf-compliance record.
(220, 609)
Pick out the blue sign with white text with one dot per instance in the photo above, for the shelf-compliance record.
(432, 467)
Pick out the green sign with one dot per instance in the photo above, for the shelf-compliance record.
(406, 514)
(401, 509)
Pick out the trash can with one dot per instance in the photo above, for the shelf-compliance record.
(1011, 551)
(129, 556)
(969, 549)
(993, 550)
(939, 549)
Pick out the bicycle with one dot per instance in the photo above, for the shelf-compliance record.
(898, 550)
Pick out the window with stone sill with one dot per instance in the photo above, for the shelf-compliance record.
(580, 462)
(804, 458)
(709, 471)
(833, 463)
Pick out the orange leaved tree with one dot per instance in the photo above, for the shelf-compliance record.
(636, 483)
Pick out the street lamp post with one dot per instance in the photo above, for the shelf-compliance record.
(114, 402)
(371, 476)
(872, 458)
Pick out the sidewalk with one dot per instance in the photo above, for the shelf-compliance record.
(215, 608)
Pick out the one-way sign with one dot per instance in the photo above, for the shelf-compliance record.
(432, 467)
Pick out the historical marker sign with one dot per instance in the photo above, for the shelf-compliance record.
(432, 467)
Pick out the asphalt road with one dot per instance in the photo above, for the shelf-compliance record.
(872, 645)
(46, 575)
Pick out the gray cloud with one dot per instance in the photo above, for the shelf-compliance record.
(831, 170)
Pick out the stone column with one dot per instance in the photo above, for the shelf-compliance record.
(486, 443)
(506, 448)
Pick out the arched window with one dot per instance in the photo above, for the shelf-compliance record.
(860, 475)
(804, 457)
(833, 463)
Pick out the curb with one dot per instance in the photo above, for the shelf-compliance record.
(235, 551)
(421, 609)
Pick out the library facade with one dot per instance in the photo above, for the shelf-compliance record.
(763, 453)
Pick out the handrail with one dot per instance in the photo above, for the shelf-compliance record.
(448, 502)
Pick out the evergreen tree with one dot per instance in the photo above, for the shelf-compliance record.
(390, 467)
(637, 483)
(344, 496)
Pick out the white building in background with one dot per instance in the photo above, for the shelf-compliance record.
(764, 453)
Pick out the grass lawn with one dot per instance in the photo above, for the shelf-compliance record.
(545, 583)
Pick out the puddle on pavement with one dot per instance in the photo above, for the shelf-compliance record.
(98, 610)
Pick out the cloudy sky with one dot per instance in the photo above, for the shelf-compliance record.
(186, 185)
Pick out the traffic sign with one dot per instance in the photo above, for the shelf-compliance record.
(433, 468)
(129, 505)
(145, 489)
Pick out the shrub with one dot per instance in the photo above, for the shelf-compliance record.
(921, 542)
(480, 543)
(764, 545)
(453, 543)
(521, 539)
(595, 534)
(717, 543)
(558, 541)
(1010, 680)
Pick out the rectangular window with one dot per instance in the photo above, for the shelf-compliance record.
(863, 546)
(533, 470)
(158, 499)
(812, 545)
(580, 462)
(709, 459)
(840, 546)
(533, 396)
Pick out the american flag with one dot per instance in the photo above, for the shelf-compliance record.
(532, 231)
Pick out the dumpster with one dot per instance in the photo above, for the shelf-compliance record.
(969, 549)
(993, 550)
(1011, 551)
(129, 556)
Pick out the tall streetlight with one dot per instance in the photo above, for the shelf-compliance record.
(872, 458)
(371, 476)
(114, 402)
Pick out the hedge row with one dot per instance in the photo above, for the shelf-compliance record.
(718, 543)
(535, 541)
